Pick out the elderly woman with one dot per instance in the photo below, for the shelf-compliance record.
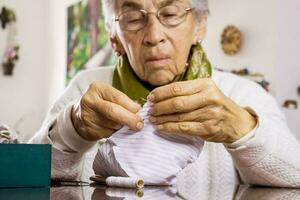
(161, 60)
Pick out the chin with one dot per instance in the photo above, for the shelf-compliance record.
(161, 78)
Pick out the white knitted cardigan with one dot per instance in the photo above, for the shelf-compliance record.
(267, 156)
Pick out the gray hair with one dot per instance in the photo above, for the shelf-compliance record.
(108, 7)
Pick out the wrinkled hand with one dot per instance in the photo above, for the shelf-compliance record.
(102, 110)
(199, 108)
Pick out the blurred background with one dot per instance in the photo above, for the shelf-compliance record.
(43, 44)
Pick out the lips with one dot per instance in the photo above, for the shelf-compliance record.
(158, 60)
(155, 58)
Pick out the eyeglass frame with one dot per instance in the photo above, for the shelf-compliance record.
(146, 14)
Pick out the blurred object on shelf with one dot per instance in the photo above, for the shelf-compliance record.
(256, 77)
(7, 135)
(11, 54)
(231, 40)
(7, 16)
(290, 104)
(10, 58)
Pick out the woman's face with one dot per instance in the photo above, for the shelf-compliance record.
(157, 53)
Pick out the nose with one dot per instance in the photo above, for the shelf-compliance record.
(153, 32)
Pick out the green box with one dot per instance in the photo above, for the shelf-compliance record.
(25, 165)
(37, 193)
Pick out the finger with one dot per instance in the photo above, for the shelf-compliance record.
(96, 132)
(98, 119)
(209, 130)
(119, 114)
(182, 88)
(185, 128)
(181, 104)
(199, 115)
(104, 122)
(109, 93)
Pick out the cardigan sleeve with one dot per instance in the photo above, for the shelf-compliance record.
(270, 157)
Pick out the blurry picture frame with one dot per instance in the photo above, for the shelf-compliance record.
(87, 40)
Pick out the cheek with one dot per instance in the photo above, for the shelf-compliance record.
(182, 38)
(182, 47)
(132, 47)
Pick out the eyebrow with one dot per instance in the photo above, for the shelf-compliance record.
(167, 2)
(135, 5)
(130, 4)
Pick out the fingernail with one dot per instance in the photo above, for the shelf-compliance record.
(139, 125)
(151, 97)
(152, 119)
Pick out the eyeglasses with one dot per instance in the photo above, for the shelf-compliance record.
(169, 16)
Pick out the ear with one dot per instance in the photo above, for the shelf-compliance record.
(200, 30)
(116, 44)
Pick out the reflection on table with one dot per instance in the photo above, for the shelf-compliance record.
(167, 193)
(189, 186)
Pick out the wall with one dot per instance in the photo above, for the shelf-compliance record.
(257, 23)
(270, 44)
(40, 73)
(58, 45)
(288, 67)
(23, 96)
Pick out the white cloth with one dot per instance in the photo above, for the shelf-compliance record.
(147, 154)
(8, 135)
(268, 157)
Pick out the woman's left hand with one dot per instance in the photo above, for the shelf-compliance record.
(199, 108)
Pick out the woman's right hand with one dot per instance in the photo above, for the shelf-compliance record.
(103, 110)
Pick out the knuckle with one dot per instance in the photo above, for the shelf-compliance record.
(176, 89)
(84, 98)
(163, 127)
(215, 129)
(115, 96)
(200, 115)
(215, 112)
(95, 85)
(110, 111)
(207, 128)
(184, 127)
(178, 104)
(180, 117)
(201, 100)
(209, 82)
(85, 119)
(197, 116)
(212, 129)
(132, 121)
(169, 127)
(215, 98)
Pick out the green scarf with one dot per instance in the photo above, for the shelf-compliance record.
(125, 80)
